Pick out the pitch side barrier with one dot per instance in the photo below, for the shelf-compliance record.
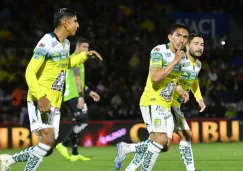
(104, 133)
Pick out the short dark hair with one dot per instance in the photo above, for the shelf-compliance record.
(61, 13)
(179, 25)
(82, 40)
(193, 35)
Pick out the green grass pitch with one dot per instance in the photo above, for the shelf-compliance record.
(208, 157)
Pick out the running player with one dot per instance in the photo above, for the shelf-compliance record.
(45, 76)
(73, 99)
(155, 103)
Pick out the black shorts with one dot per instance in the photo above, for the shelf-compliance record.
(71, 105)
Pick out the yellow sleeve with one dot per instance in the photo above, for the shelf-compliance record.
(196, 90)
(38, 58)
(75, 61)
(30, 76)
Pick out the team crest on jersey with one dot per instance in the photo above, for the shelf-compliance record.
(167, 92)
(167, 54)
(157, 123)
(59, 82)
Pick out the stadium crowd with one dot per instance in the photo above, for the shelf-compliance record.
(124, 35)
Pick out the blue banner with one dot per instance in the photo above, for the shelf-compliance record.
(208, 24)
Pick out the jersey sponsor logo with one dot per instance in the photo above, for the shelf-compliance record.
(167, 54)
(39, 51)
(54, 43)
(167, 92)
(155, 60)
(156, 49)
(56, 56)
(64, 54)
(59, 82)
(160, 110)
(184, 73)
(156, 55)
(186, 64)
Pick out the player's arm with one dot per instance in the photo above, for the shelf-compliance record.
(184, 94)
(198, 96)
(95, 96)
(76, 72)
(33, 67)
(157, 73)
(76, 60)
(30, 75)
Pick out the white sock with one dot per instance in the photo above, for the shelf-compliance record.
(151, 156)
(21, 156)
(187, 155)
(135, 147)
(130, 148)
(36, 157)
(140, 149)
(136, 162)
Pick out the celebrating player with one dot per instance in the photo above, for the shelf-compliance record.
(45, 76)
(188, 81)
(73, 98)
(155, 103)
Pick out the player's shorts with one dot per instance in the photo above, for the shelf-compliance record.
(71, 105)
(158, 119)
(179, 119)
(40, 121)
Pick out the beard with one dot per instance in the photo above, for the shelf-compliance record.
(193, 54)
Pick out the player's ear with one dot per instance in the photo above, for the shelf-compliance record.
(64, 23)
(170, 37)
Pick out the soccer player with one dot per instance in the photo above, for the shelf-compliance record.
(155, 103)
(45, 76)
(188, 81)
(73, 98)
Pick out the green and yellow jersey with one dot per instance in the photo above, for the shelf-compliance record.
(161, 93)
(189, 81)
(45, 73)
(71, 90)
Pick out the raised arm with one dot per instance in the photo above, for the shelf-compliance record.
(157, 73)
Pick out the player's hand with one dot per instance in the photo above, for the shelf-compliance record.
(179, 54)
(95, 96)
(80, 104)
(44, 104)
(201, 104)
(184, 94)
(93, 53)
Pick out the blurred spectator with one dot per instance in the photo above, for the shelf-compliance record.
(124, 32)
